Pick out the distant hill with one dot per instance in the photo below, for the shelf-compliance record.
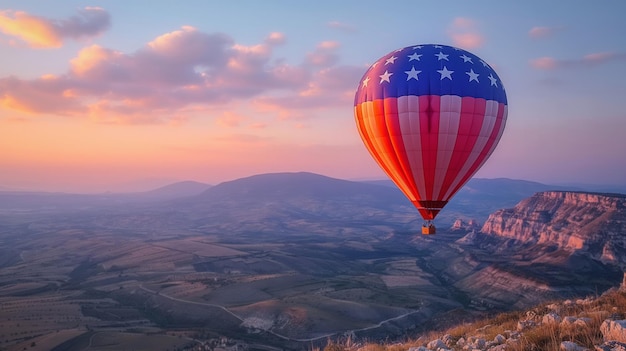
(301, 192)
(294, 202)
(299, 185)
(179, 189)
(310, 199)
(481, 196)
(24, 200)
(305, 192)
(50, 201)
(503, 188)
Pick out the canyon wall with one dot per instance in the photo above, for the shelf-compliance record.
(586, 223)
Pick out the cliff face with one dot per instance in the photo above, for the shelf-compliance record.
(586, 223)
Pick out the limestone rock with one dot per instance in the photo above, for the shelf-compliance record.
(614, 330)
(571, 346)
(551, 319)
(611, 346)
(591, 223)
(437, 344)
(499, 339)
(523, 325)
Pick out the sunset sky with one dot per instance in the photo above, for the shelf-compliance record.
(129, 95)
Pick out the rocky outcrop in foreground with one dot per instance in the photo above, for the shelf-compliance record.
(597, 324)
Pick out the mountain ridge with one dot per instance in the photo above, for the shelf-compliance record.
(300, 184)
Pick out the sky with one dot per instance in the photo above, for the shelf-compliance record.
(119, 95)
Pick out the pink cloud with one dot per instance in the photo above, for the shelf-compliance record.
(38, 96)
(302, 126)
(598, 58)
(229, 120)
(341, 26)
(465, 33)
(242, 138)
(276, 38)
(324, 55)
(41, 32)
(601, 57)
(258, 125)
(91, 21)
(329, 87)
(544, 63)
(542, 32)
(179, 70)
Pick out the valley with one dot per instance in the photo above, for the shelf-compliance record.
(297, 291)
(265, 262)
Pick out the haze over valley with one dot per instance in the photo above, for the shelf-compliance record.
(290, 260)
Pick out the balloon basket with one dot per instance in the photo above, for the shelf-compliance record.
(428, 229)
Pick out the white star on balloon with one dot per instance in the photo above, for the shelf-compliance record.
(365, 81)
(412, 73)
(391, 60)
(414, 56)
(493, 80)
(445, 73)
(466, 58)
(442, 56)
(385, 77)
(472, 75)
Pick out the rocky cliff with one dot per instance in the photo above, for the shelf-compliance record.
(554, 244)
(591, 224)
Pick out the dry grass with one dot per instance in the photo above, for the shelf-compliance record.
(540, 337)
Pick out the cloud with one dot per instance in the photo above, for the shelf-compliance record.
(258, 125)
(465, 34)
(341, 26)
(90, 22)
(41, 32)
(543, 32)
(328, 88)
(601, 57)
(276, 38)
(182, 72)
(324, 55)
(38, 96)
(229, 120)
(549, 63)
(544, 63)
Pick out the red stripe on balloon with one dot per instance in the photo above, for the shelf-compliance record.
(380, 131)
(397, 140)
(494, 137)
(471, 120)
(429, 131)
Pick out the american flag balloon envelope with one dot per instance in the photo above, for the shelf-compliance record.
(430, 115)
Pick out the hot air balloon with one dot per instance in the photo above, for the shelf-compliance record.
(430, 115)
